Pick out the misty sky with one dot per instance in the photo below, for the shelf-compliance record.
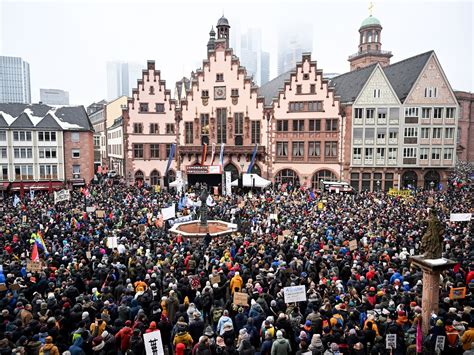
(68, 43)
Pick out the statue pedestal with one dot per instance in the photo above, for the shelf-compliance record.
(431, 268)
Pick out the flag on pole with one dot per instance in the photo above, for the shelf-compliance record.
(170, 158)
(204, 154)
(213, 154)
(252, 161)
(34, 253)
(32, 195)
(16, 200)
(210, 201)
(221, 155)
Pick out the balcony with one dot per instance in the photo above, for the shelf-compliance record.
(243, 149)
(449, 141)
(393, 141)
(357, 161)
(368, 161)
(358, 141)
(423, 162)
(369, 121)
(381, 120)
(374, 52)
(435, 162)
(380, 161)
(424, 141)
(448, 162)
(358, 121)
(393, 121)
(392, 162)
(449, 121)
(437, 121)
(426, 121)
(436, 141)
(380, 140)
(369, 141)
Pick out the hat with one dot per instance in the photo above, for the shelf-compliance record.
(279, 334)
(208, 331)
(197, 315)
(219, 341)
(439, 323)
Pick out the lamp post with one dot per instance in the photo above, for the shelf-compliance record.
(378, 185)
(432, 185)
(129, 178)
(321, 187)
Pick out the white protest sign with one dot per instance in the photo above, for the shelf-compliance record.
(391, 342)
(90, 209)
(440, 340)
(168, 212)
(112, 242)
(460, 217)
(62, 195)
(295, 294)
(228, 183)
(153, 344)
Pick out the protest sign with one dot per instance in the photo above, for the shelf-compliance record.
(88, 255)
(153, 344)
(281, 239)
(141, 228)
(62, 195)
(457, 293)
(294, 294)
(286, 232)
(168, 212)
(391, 341)
(215, 279)
(440, 341)
(353, 245)
(460, 217)
(23, 219)
(320, 205)
(112, 242)
(241, 299)
(90, 209)
(401, 193)
(33, 266)
(100, 213)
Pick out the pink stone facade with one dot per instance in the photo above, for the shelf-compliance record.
(465, 137)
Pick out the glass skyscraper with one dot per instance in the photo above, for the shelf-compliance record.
(14, 80)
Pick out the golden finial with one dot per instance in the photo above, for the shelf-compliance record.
(371, 6)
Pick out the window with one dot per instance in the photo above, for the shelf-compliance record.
(409, 152)
(312, 89)
(424, 152)
(48, 171)
(255, 132)
(314, 149)
(282, 149)
(154, 128)
(436, 153)
(438, 112)
(357, 153)
(380, 153)
(138, 128)
(234, 92)
(204, 123)
(392, 154)
(154, 151)
(382, 113)
(376, 93)
(221, 125)
(76, 171)
(358, 135)
(296, 106)
(22, 136)
(238, 123)
(394, 113)
(450, 112)
(411, 112)
(314, 106)
(188, 137)
(369, 135)
(23, 153)
(355, 181)
(314, 125)
(4, 172)
(298, 89)
(205, 94)
(425, 112)
(298, 125)
(381, 133)
(358, 112)
(138, 151)
(3, 136)
(331, 125)
(97, 141)
(76, 153)
(282, 125)
(330, 149)
(431, 92)
(449, 133)
(305, 76)
(369, 113)
(3, 153)
(152, 90)
(369, 153)
(47, 136)
(168, 150)
(170, 128)
(143, 107)
(219, 77)
(160, 108)
(448, 154)
(411, 132)
(437, 133)
(23, 172)
(75, 136)
(425, 133)
(393, 134)
(298, 149)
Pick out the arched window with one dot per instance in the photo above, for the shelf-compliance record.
(432, 180)
(171, 175)
(287, 175)
(256, 170)
(155, 178)
(139, 175)
(369, 36)
(234, 172)
(325, 175)
(409, 179)
(376, 39)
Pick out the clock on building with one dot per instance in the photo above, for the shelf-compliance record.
(219, 92)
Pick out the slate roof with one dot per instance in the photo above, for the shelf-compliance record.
(270, 89)
(348, 86)
(179, 87)
(402, 75)
(117, 123)
(31, 116)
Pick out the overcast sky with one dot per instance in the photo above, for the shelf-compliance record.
(68, 43)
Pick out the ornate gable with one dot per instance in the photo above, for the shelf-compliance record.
(377, 90)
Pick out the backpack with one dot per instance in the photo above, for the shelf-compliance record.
(216, 314)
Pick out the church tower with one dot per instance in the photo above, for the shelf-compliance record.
(223, 30)
(370, 45)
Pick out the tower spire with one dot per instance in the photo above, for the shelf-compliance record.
(371, 6)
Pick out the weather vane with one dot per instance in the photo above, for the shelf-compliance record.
(371, 6)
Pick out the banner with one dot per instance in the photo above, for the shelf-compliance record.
(180, 219)
(170, 158)
(63, 195)
(460, 217)
(252, 161)
(228, 183)
(221, 155)
(112, 242)
(396, 192)
(204, 154)
(457, 293)
(153, 344)
(168, 212)
(294, 294)
(213, 153)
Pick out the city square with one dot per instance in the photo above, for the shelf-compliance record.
(261, 204)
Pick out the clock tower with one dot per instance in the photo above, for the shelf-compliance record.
(223, 30)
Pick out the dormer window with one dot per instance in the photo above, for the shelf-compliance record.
(205, 94)
(220, 77)
(298, 89)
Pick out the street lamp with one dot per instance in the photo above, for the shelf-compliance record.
(378, 185)
(432, 185)
(321, 184)
(129, 178)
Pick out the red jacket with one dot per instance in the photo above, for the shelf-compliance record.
(123, 338)
(469, 277)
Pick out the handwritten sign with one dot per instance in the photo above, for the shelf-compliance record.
(63, 195)
(90, 209)
(100, 213)
(457, 293)
(33, 266)
(23, 219)
(88, 255)
(396, 192)
(152, 342)
(294, 294)
(353, 245)
(215, 279)
(391, 341)
(141, 228)
(241, 299)
(440, 341)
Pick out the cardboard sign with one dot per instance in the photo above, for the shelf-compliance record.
(23, 219)
(215, 279)
(3, 287)
(440, 341)
(90, 209)
(153, 344)
(100, 213)
(294, 294)
(286, 232)
(281, 238)
(391, 341)
(33, 266)
(112, 242)
(168, 212)
(241, 299)
(457, 293)
(88, 255)
(353, 245)
(320, 205)
(15, 287)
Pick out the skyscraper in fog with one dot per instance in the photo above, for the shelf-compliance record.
(54, 97)
(293, 41)
(14, 80)
(251, 56)
(121, 78)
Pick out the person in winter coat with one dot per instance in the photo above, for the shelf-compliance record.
(196, 327)
(222, 321)
(281, 346)
(49, 348)
(136, 342)
(183, 337)
(316, 346)
(247, 348)
(122, 338)
(202, 347)
(468, 337)
(109, 340)
(77, 347)
(236, 283)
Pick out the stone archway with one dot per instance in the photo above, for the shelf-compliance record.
(287, 176)
(409, 179)
(155, 178)
(326, 175)
(234, 172)
(432, 180)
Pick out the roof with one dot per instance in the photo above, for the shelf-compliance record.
(180, 93)
(117, 123)
(31, 116)
(403, 75)
(370, 21)
(223, 22)
(270, 89)
(348, 86)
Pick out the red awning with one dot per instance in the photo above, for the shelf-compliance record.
(4, 185)
(37, 185)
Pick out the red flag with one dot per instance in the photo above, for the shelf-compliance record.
(457, 267)
(22, 190)
(204, 154)
(34, 253)
(419, 337)
(50, 187)
(213, 153)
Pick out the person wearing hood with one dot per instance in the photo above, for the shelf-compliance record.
(49, 348)
(222, 321)
(236, 283)
(316, 346)
(196, 326)
(202, 347)
(281, 346)
(467, 338)
(109, 340)
(122, 338)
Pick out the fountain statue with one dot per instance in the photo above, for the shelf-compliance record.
(432, 240)
(203, 210)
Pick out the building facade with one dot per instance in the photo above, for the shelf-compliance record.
(54, 97)
(115, 151)
(120, 78)
(14, 80)
(42, 145)
(465, 134)
(97, 118)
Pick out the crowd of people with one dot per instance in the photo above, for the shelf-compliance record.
(89, 296)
